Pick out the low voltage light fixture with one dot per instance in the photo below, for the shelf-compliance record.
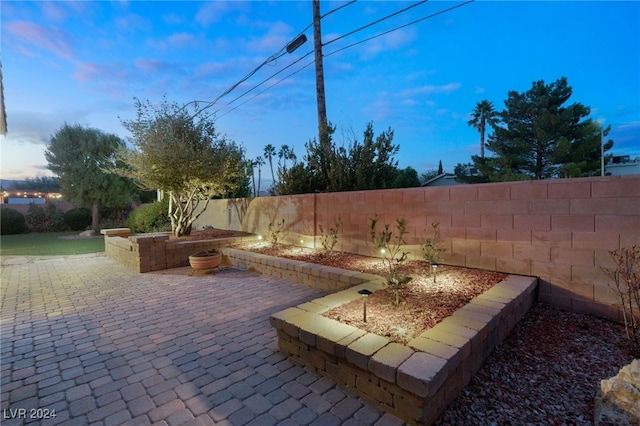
(434, 269)
(365, 295)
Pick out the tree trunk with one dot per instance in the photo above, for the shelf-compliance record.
(482, 130)
(95, 216)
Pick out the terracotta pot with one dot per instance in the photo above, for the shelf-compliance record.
(205, 260)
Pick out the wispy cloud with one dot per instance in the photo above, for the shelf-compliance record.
(389, 42)
(174, 41)
(51, 39)
(431, 89)
(278, 35)
(53, 11)
(133, 23)
(212, 12)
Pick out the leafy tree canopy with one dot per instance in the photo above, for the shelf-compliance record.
(356, 165)
(83, 159)
(183, 155)
(537, 136)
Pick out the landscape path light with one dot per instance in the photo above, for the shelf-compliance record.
(365, 295)
(434, 269)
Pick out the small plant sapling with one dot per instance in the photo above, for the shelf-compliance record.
(626, 285)
(330, 239)
(393, 257)
(276, 232)
(431, 250)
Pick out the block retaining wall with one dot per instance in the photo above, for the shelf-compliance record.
(416, 381)
(316, 276)
(154, 252)
(559, 230)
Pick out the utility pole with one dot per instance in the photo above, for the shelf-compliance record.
(317, 45)
(601, 150)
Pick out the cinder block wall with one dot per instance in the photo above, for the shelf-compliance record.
(558, 230)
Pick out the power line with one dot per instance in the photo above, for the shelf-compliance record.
(271, 76)
(375, 22)
(335, 10)
(338, 50)
(269, 87)
(399, 28)
(272, 58)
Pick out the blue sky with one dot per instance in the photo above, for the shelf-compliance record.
(84, 62)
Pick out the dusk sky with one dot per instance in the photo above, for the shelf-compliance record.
(84, 62)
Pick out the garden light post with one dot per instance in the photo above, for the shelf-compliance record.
(365, 295)
(434, 269)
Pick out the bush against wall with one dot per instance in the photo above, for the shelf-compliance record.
(150, 218)
(77, 219)
(44, 219)
(12, 222)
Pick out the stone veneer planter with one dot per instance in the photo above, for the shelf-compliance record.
(416, 381)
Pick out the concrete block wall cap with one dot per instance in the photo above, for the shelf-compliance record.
(440, 335)
(422, 374)
(520, 281)
(141, 238)
(483, 301)
(287, 314)
(339, 332)
(337, 299)
(313, 307)
(386, 361)
(450, 327)
(503, 290)
(483, 309)
(362, 349)
(494, 298)
(114, 231)
(473, 315)
(439, 349)
(311, 322)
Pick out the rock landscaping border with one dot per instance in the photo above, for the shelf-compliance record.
(416, 381)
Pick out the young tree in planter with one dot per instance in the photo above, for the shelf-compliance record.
(182, 154)
(82, 158)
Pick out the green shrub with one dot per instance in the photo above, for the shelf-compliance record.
(44, 219)
(150, 218)
(77, 219)
(12, 222)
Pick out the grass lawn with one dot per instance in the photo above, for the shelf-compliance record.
(48, 244)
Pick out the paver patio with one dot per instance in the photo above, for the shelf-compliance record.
(99, 344)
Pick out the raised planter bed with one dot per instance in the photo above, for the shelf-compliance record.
(416, 381)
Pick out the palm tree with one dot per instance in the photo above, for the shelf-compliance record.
(269, 152)
(481, 116)
(259, 162)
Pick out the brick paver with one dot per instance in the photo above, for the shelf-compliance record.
(96, 343)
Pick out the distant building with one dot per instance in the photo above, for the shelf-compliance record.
(444, 179)
(18, 196)
(621, 165)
